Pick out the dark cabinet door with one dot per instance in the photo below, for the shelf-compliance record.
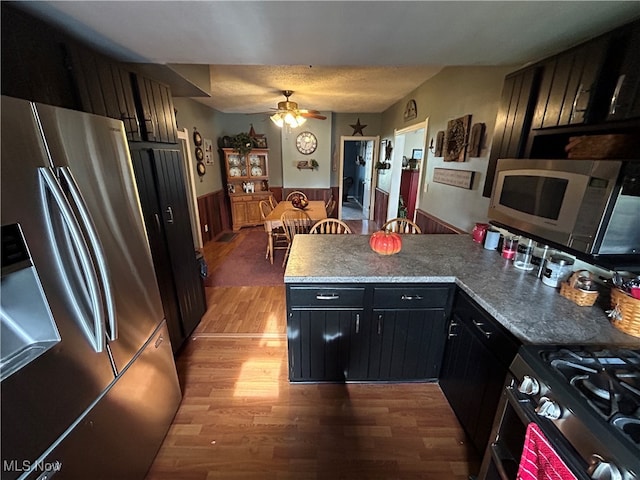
(477, 355)
(326, 345)
(513, 120)
(453, 376)
(34, 60)
(625, 100)
(104, 88)
(155, 106)
(172, 197)
(406, 344)
(163, 199)
(568, 84)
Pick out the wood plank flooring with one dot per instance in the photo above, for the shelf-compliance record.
(240, 418)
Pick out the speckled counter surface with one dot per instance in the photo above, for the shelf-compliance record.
(533, 312)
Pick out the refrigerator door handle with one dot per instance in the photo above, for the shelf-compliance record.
(98, 251)
(96, 335)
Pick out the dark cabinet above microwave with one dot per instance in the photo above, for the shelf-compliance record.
(591, 89)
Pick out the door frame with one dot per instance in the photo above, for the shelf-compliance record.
(369, 174)
(396, 166)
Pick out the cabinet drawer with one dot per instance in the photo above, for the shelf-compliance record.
(493, 335)
(326, 297)
(411, 297)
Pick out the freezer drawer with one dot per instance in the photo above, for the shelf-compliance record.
(120, 436)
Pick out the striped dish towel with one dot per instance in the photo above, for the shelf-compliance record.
(539, 460)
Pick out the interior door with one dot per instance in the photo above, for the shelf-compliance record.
(369, 158)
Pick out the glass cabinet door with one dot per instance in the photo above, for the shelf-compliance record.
(257, 165)
(236, 165)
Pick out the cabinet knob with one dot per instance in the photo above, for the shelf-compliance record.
(411, 297)
(479, 326)
(327, 296)
(616, 93)
(450, 334)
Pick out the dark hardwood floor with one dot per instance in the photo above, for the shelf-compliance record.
(240, 418)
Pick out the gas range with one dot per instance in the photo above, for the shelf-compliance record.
(591, 395)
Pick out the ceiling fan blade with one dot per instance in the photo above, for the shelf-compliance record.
(312, 114)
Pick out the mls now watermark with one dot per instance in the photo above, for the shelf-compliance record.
(28, 465)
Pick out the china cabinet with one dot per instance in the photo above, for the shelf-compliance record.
(247, 184)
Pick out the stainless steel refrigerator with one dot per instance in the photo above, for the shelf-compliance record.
(88, 381)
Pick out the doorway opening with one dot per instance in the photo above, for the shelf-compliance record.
(407, 170)
(357, 158)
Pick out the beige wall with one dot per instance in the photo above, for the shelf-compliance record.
(292, 177)
(452, 93)
(193, 114)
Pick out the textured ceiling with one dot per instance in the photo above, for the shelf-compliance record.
(336, 55)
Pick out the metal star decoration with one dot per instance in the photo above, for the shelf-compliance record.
(357, 128)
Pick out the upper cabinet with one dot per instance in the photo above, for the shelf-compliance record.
(591, 89)
(104, 88)
(568, 85)
(155, 110)
(512, 123)
(624, 102)
(34, 60)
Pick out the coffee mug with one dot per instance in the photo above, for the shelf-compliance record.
(491, 239)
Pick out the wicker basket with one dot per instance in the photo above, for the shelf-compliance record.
(626, 312)
(582, 298)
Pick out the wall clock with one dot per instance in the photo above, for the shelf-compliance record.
(201, 168)
(306, 143)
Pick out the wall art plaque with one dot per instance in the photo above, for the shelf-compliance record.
(456, 139)
(453, 177)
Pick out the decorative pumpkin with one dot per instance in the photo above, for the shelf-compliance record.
(385, 243)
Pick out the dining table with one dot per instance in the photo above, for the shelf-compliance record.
(316, 211)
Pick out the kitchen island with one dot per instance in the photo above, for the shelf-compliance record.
(533, 312)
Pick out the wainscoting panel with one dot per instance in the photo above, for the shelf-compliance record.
(214, 215)
(380, 208)
(311, 193)
(430, 224)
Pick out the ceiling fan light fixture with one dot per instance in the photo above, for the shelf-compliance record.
(277, 119)
(289, 119)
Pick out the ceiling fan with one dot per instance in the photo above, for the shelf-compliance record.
(288, 113)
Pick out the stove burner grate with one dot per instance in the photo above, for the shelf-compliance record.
(609, 381)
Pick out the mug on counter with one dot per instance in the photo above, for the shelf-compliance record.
(479, 231)
(491, 239)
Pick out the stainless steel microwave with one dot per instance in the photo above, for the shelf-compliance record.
(591, 206)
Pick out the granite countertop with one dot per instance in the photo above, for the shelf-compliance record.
(534, 312)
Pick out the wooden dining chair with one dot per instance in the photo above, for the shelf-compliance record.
(294, 222)
(331, 208)
(330, 226)
(294, 194)
(328, 202)
(272, 201)
(401, 225)
(278, 237)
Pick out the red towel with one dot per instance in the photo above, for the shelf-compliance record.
(539, 460)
